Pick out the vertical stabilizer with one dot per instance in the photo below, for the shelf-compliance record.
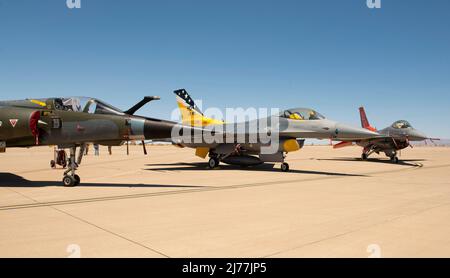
(364, 121)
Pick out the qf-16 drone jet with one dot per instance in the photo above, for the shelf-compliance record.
(73, 122)
(394, 138)
(292, 126)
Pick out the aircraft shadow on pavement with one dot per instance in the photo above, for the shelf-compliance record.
(182, 166)
(402, 162)
(12, 180)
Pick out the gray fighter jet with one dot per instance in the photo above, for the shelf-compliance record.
(287, 131)
(396, 137)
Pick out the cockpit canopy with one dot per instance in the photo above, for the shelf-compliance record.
(302, 114)
(401, 124)
(83, 105)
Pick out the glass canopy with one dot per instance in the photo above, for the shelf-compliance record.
(401, 124)
(302, 114)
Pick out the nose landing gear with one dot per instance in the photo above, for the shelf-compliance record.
(394, 159)
(70, 177)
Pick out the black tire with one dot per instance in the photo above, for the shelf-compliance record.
(213, 163)
(77, 180)
(394, 159)
(52, 164)
(364, 156)
(285, 167)
(69, 181)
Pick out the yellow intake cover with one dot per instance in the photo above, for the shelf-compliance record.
(291, 145)
(201, 152)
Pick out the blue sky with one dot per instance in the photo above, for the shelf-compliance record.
(329, 55)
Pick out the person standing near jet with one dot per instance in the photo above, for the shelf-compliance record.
(96, 150)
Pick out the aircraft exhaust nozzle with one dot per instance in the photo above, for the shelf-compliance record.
(349, 133)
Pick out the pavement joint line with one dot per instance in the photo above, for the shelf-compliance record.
(111, 232)
(356, 230)
(173, 192)
(96, 226)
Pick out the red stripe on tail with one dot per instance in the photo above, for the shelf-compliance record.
(364, 121)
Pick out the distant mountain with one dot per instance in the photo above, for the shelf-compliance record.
(437, 143)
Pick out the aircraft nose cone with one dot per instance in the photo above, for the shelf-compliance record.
(346, 132)
(418, 136)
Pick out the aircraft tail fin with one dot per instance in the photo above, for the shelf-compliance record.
(364, 121)
(190, 114)
(139, 105)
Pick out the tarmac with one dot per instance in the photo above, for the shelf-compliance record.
(168, 204)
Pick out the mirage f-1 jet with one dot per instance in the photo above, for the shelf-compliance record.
(73, 122)
(291, 127)
(394, 138)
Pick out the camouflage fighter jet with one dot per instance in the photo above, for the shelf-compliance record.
(73, 122)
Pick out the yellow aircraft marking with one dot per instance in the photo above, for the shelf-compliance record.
(193, 118)
(291, 145)
(43, 104)
(201, 152)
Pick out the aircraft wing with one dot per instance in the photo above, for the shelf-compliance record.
(366, 141)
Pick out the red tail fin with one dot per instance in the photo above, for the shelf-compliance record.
(364, 121)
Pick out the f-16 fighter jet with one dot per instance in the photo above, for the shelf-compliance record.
(273, 136)
(396, 137)
(73, 122)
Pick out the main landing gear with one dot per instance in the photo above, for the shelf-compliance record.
(70, 177)
(367, 152)
(284, 167)
(213, 162)
(394, 159)
(393, 156)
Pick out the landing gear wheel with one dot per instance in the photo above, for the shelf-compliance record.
(77, 179)
(213, 162)
(364, 156)
(69, 181)
(285, 167)
(394, 159)
(52, 164)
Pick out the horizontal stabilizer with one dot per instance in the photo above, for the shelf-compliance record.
(342, 145)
